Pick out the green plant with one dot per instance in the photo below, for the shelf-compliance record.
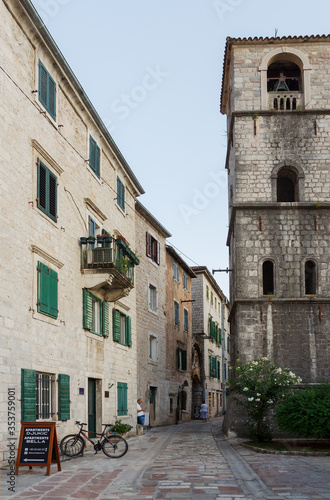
(120, 428)
(306, 412)
(261, 385)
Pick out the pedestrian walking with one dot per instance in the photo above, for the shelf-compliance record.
(140, 412)
(204, 411)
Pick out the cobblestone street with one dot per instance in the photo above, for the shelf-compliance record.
(191, 460)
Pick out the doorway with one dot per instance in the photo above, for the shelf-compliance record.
(153, 393)
(92, 406)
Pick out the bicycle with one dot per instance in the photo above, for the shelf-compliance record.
(113, 446)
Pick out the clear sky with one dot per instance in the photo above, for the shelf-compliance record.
(153, 71)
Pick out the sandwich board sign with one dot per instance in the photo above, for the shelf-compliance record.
(38, 446)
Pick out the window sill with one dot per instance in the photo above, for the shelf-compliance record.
(95, 336)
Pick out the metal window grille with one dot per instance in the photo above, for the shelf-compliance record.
(44, 392)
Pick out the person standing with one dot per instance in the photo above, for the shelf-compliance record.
(140, 412)
(204, 411)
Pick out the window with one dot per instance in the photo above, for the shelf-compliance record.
(153, 348)
(47, 91)
(121, 328)
(186, 320)
(211, 298)
(153, 248)
(94, 156)
(228, 344)
(283, 76)
(207, 292)
(218, 370)
(175, 271)
(47, 294)
(120, 194)
(287, 185)
(122, 398)
(47, 191)
(185, 282)
(171, 405)
(310, 277)
(214, 331)
(96, 314)
(268, 278)
(38, 396)
(181, 359)
(214, 366)
(176, 313)
(152, 298)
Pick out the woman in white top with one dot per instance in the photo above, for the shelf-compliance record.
(140, 412)
(204, 411)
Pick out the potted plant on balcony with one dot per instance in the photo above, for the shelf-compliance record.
(100, 240)
(91, 239)
(83, 240)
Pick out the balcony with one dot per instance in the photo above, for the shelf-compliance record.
(109, 267)
(285, 101)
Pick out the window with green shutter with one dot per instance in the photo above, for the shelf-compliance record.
(47, 90)
(186, 320)
(176, 313)
(94, 156)
(96, 314)
(218, 370)
(121, 328)
(28, 395)
(63, 397)
(181, 359)
(122, 398)
(47, 191)
(120, 194)
(47, 295)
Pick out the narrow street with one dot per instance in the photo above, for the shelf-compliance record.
(192, 460)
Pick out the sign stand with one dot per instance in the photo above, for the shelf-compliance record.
(38, 446)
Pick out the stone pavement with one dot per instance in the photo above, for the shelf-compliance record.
(192, 460)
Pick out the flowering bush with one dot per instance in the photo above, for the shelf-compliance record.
(262, 385)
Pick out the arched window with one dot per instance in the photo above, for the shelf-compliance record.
(310, 277)
(287, 185)
(285, 79)
(268, 278)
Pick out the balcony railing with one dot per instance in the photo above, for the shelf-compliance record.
(285, 101)
(119, 257)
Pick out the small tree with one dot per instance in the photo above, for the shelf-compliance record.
(306, 412)
(262, 385)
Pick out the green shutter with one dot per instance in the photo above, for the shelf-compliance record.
(97, 160)
(47, 191)
(116, 325)
(63, 397)
(53, 293)
(120, 194)
(218, 370)
(88, 310)
(184, 360)
(105, 319)
(128, 331)
(220, 336)
(210, 366)
(47, 90)
(42, 84)
(47, 295)
(28, 395)
(51, 97)
(122, 398)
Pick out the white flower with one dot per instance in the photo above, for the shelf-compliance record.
(257, 399)
(270, 401)
(245, 389)
(258, 394)
(279, 370)
(264, 359)
(250, 399)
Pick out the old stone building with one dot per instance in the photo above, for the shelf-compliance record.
(178, 337)
(276, 96)
(68, 304)
(211, 343)
(151, 319)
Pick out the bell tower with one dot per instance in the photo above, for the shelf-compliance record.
(276, 95)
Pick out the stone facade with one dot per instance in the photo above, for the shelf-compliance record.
(211, 343)
(151, 320)
(178, 337)
(279, 199)
(56, 184)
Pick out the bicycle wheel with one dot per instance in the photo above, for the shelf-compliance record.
(72, 445)
(114, 446)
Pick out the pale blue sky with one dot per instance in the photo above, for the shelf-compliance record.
(153, 71)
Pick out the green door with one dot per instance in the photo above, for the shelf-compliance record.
(92, 406)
